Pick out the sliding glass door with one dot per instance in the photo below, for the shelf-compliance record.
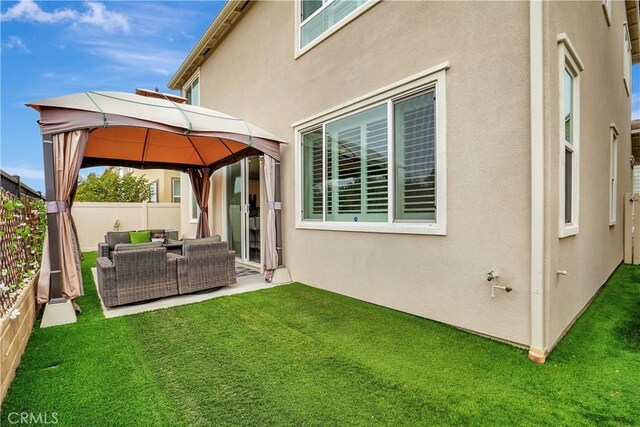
(243, 189)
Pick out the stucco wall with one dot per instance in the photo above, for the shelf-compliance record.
(253, 74)
(590, 256)
(164, 181)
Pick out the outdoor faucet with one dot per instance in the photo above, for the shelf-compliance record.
(493, 277)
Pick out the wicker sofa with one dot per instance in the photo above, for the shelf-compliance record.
(205, 264)
(113, 238)
(137, 275)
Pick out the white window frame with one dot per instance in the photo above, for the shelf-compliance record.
(189, 82)
(606, 8)
(173, 190)
(196, 75)
(155, 184)
(613, 175)
(192, 219)
(435, 78)
(569, 60)
(627, 59)
(300, 50)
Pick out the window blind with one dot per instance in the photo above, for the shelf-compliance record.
(415, 158)
(357, 167)
(312, 145)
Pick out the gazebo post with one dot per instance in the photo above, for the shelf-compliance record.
(58, 311)
(278, 201)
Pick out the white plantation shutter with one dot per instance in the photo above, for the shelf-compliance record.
(377, 168)
(415, 158)
(346, 164)
(357, 167)
(312, 145)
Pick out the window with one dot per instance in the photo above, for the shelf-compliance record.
(628, 59)
(319, 18)
(569, 175)
(606, 8)
(191, 90)
(377, 165)
(175, 190)
(153, 197)
(194, 208)
(613, 176)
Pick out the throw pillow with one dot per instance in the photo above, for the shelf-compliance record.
(140, 236)
(158, 237)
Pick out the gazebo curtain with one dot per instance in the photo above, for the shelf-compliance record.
(201, 184)
(68, 151)
(271, 252)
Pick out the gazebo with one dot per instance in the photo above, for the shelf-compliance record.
(124, 129)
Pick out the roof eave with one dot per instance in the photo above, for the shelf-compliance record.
(633, 20)
(215, 33)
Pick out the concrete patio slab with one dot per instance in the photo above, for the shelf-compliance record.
(250, 283)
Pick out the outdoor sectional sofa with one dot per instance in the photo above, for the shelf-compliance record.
(113, 238)
(147, 271)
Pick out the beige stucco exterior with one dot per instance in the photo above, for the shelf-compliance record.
(254, 74)
(163, 177)
(590, 256)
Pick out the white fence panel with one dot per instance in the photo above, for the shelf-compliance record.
(93, 220)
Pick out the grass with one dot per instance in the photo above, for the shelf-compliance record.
(295, 355)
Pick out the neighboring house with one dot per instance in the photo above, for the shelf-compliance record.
(433, 146)
(165, 184)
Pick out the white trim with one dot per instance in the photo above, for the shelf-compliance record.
(225, 212)
(425, 80)
(613, 174)
(537, 350)
(157, 185)
(563, 39)
(569, 60)
(606, 8)
(173, 195)
(627, 61)
(196, 75)
(299, 51)
(192, 220)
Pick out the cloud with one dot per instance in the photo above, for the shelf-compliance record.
(15, 42)
(96, 15)
(139, 56)
(101, 17)
(25, 171)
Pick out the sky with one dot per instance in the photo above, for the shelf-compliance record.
(54, 48)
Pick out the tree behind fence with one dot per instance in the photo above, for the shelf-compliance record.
(21, 237)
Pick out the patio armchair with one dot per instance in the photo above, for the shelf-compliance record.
(137, 275)
(205, 264)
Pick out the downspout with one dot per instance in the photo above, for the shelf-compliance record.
(537, 352)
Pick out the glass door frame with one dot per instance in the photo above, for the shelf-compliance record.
(244, 256)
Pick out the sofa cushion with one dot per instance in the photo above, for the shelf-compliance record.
(114, 237)
(140, 236)
(120, 247)
(191, 242)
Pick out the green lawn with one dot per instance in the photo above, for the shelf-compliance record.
(294, 355)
